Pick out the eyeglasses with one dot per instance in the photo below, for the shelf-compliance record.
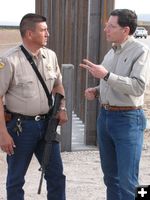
(111, 26)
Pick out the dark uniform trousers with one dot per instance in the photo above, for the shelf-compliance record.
(31, 141)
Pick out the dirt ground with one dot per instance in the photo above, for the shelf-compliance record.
(82, 168)
(8, 39)
(83, 174)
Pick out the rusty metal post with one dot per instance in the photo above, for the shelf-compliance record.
(97, 16)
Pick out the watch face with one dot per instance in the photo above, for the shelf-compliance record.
(107, 76)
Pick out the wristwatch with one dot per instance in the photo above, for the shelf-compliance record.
(107, 76)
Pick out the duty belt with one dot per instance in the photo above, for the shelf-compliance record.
(26, 117)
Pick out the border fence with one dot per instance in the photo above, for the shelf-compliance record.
(76, 32)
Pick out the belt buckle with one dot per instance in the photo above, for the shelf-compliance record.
(106, 107)
(37, 118)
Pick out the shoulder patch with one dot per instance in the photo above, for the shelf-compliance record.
(2, 65)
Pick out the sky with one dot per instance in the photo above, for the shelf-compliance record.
(139, 6)
(11, 11)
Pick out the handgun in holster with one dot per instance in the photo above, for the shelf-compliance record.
(7, 115)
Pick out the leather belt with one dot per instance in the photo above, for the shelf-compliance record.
(26, 117)
(120, 108)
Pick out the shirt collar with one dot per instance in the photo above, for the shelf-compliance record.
(41, 53)
(117, 47)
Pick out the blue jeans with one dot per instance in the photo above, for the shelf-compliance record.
(120, 139)
(29, 142)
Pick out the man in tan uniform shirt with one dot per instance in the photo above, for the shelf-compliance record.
(25, 96)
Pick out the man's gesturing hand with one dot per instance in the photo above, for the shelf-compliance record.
(98, 71)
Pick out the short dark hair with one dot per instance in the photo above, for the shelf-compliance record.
(29, 21)
(126, 17)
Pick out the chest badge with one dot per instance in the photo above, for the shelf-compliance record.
(49, 67)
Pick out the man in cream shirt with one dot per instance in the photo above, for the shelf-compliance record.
(124, 74)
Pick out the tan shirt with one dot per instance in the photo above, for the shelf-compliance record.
(129, 65)
(20, 85)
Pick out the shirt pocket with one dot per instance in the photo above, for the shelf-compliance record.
(50, 75)
(50, 78)
(25, 86)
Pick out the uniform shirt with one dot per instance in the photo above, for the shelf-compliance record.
(129, 65)
(20, 85)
